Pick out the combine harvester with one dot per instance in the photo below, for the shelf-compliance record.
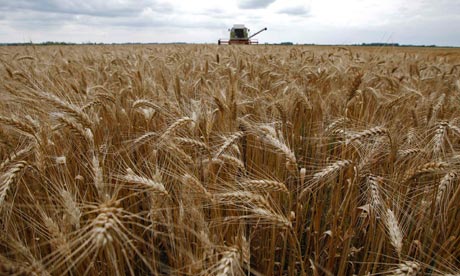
(239, 35)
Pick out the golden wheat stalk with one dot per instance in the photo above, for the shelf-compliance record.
(72, 210)
(228, 142)
(321, 177)
(394, 231)
(15, 155)
(19, 125)
(196, 185)
(406, 268)
(8, 179)
(373, 183)
(173, 128)
(229, 264)
(445, 185)
(146, 183)
(366, 134)
(427, 168)
(242, 198)
(69, 108)
(265, 185)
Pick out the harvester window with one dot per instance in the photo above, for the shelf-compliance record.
(239, 33)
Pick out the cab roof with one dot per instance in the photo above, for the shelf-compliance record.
(239, 26)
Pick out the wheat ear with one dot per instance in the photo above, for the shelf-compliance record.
(146, 183)
(8, 179)
(228, 142)
(394, 231)
(368, 133)
(72, 211)
(266, 185)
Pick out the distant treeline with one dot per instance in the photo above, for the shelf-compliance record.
(374, 44)
(378, 44)
(393, 44)
(83, 43)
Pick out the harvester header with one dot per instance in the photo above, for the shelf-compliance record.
(239, 34)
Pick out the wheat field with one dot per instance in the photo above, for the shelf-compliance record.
(231, 160)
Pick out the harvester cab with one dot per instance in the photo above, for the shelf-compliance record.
(239, 34)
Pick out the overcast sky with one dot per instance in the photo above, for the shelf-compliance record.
(204, 21)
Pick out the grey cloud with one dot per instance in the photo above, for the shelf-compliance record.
(213, 12)
(36, 20)
(297, 10)
(254, 4)
(440, 6)
(53, 14)
(119, 22)
(101, 8)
